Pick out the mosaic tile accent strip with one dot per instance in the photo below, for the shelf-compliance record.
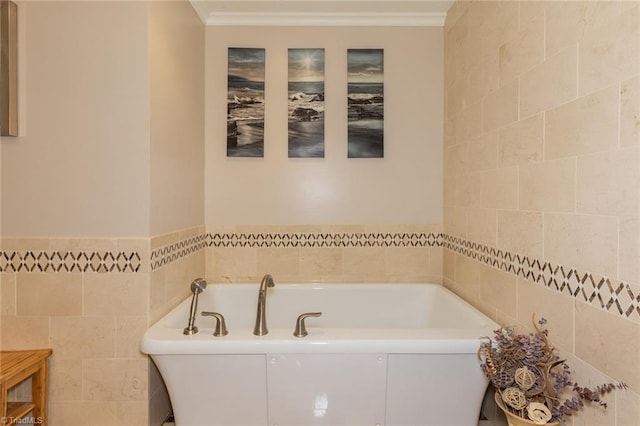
(612, 295)
(169, 253)
(70, 261)
(355, 239)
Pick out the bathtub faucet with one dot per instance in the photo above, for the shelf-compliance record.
(260, 329)
(197, 286)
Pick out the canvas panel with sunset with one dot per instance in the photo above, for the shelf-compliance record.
(306, 103)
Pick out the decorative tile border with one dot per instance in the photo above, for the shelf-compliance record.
(164, 255)
(612, 295)
(341, 239)
(69, 261)
(169, 253)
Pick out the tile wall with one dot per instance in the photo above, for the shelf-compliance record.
(90, 300)
(325, 253)
(542, 178)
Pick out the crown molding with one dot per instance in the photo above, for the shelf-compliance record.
(409, 19)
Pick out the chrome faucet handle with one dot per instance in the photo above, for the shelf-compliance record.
(301, 330)
(221, 326)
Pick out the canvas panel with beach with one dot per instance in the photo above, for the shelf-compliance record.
(306, 103)
(245, 102)
(365, 103)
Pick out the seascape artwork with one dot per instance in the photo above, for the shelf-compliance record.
(365, 94)
(306, 103)
(245, 102)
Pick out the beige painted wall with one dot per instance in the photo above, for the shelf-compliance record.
(81, 164)
(104, 143)
(542, 160)
(404, 187)
(176, 74)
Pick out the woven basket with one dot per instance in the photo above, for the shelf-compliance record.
(514, 420)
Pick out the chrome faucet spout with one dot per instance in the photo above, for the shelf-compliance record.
(260, 328)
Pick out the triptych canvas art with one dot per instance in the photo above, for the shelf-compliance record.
(306, 103)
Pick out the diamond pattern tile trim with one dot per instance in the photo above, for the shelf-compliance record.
(169, 253)
(70, 261)
(614, 296)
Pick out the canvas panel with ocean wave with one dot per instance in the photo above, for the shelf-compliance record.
(365, 103)
(306, 103)
(245, 102)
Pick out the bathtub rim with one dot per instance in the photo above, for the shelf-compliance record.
(160, 340)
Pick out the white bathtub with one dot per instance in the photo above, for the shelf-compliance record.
(380, 354)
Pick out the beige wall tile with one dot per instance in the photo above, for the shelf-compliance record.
(498, 289)
(587, 243)
(129, 332)
(114, 379)
(456, 160)
(467, 271)
(449, 265)
(500, 107)
(230, 262)
(549, 84)
(157, 290)
(115, 294)
(74, 413)
(133, 413)
(449, 137)
(548, 186)
(23, 244)
(587, 375)
(588, 124)
(7, 294)
(19, 333)
(407, 263)
(163, 240)
(469, 123)
(483, 152)
(500, 188)
(483, 79)
(365, 262)
(457, 95)
(83, 244)
(521, 232)
(457, 217)
(279, 261)
(178, 276)
(49, 294)
(469, 190)
(83, 337)
(65, 380)
(556, 308)
(316, 262)
(610, 52)
(521, 142)
(627, 408)
(482, 226)
(630, 112)
(435, 262)
(599, 337)
(629, 256)
(567, 21)
(608, 182)
(526, 49)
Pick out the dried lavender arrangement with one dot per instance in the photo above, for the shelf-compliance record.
(531, 380)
